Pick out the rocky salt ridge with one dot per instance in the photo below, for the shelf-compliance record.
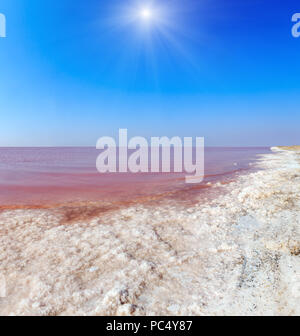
(237, 255)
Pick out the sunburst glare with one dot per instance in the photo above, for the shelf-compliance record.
(151, 29)
(146, 14)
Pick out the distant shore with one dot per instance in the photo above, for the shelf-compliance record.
(289, 148)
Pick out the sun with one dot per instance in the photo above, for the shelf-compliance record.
(146, 14)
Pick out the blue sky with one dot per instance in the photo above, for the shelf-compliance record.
(72, 71)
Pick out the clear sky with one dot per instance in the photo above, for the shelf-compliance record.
(73, 71)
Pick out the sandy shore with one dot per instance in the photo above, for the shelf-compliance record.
(239, 254)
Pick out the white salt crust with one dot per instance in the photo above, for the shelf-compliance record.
(237, 255)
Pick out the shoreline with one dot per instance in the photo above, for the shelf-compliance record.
(57, 178)
(238, 254)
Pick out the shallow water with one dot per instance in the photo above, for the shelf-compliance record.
(45, 176)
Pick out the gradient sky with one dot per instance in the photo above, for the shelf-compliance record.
(72, 71)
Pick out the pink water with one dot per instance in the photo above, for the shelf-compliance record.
(52, 176)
